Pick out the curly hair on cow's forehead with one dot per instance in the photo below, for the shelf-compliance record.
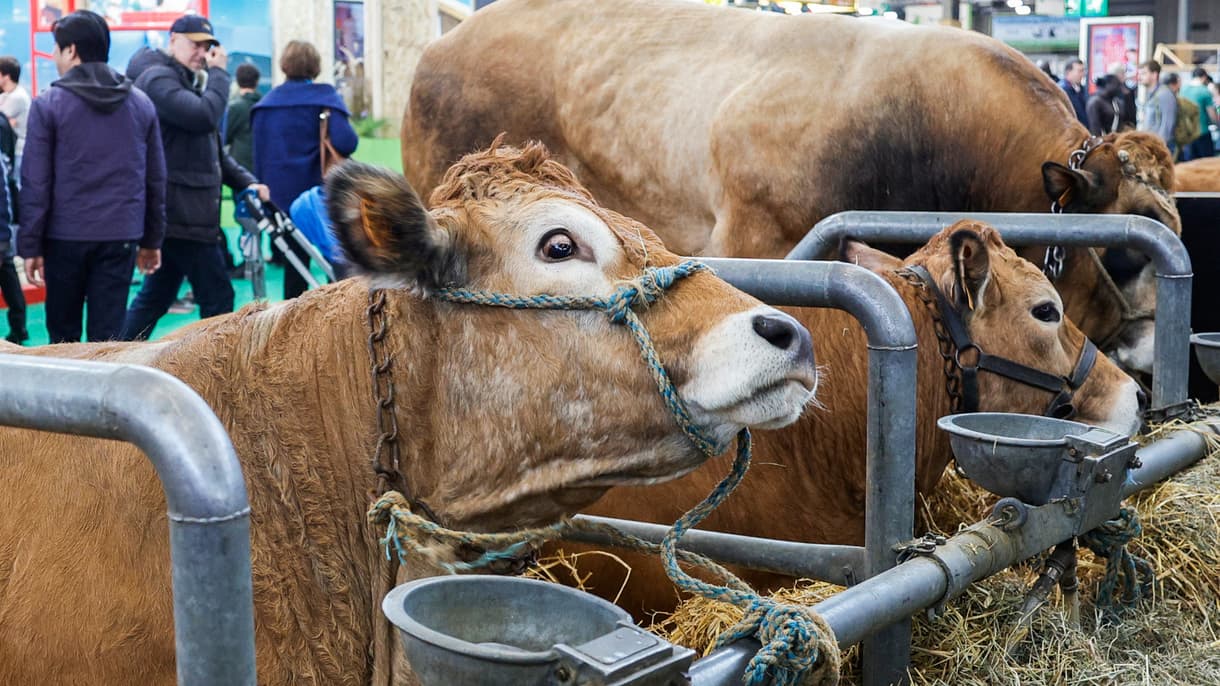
(503, 171)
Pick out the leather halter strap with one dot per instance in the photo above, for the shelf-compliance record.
(1063, 387)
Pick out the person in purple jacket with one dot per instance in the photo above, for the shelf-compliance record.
(92, 195)
(287, 145)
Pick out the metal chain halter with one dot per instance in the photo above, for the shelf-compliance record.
(964, 359)
(385, 454)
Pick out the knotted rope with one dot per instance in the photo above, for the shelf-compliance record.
(651, 284)
(793, 637)
(1134, 574)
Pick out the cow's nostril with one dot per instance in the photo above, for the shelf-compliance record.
(1142, 398)
(778, 331)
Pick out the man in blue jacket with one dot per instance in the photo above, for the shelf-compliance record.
(190, 88)
(92, 185)
(1072, 83)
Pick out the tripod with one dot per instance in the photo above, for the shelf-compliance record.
(257, 217)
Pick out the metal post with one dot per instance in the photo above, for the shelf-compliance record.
(890, 500)
(209, 515)
(1173, 270)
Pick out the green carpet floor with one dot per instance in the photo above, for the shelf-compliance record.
(382, 151)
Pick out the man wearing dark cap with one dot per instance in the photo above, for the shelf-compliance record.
(190, 88)
(93, 185)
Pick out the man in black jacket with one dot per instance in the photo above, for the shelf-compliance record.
(190, 87)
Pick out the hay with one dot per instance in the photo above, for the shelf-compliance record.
(1172, 639)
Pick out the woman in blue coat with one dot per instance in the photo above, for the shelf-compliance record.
(287, 146)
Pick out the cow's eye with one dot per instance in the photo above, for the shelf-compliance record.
(1046, 312)
(557, 246)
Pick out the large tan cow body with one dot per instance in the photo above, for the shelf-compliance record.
(732, 132)
(1198, 176)
(506, 419)
(808, 480)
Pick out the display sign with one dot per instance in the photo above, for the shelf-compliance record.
(1035, 33)
(1086, 8)
(1115, 45)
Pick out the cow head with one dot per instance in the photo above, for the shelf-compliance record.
(1010, 310)
(536, 413)
(1127, 173)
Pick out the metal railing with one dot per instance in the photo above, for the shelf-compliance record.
(209, 515)
(1171, 363)
(890, 449)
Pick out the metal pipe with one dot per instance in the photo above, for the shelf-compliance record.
(209, 515)
(838, 564)
(978, 552)
(725, 666)
(889, 510)
(1148, 236)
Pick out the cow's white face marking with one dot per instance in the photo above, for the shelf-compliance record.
(737, 377)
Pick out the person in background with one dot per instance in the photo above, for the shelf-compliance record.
(1198, 93)
(92, 185)
(1105, 106)
(238, 136)
(190, 88)
(1072, 83)
(1045, 66)
(1128, 110)
(1159, 109)
(287, 136)
(14, 104)
(10, 282)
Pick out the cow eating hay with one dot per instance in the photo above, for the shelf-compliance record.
(502, 420)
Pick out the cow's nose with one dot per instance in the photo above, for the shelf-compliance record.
(1142, 398)
(785, 333)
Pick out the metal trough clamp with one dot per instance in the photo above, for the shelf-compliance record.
(627, 656)
(919, 547)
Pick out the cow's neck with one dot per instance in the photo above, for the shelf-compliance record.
(932, 397)
(308, 473)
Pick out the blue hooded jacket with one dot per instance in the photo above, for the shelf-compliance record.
(287, 145)
(94, 168)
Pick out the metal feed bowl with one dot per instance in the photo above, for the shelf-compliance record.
(1207, 350)
(1014, 455)
(509, 631)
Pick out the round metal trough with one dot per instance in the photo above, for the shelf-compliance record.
(1207, 351)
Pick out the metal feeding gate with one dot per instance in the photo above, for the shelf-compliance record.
(593, 644)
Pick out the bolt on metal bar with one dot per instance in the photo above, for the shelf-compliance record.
(1173, 269)
(209, 514)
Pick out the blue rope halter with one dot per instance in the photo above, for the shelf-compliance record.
(789, 634)
(619, 306)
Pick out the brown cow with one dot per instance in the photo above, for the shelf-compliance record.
(1198, 176)
(808, 481)
(732, 132)
(506, 418)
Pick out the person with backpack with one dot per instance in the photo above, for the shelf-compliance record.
(1158, 110)
(1197, 92)
(1104, 108)
(1186, 118)
(15, 105)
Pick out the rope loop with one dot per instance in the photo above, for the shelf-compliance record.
(1131, 575)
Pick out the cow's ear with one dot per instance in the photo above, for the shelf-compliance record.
(874, 260)
(971, 268)
(1063, 186)
(385, 231)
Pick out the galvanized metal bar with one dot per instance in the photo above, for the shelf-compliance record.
(890, 448)
(838, 564)
(209, 515)
(1173, 269)
(724, 667)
